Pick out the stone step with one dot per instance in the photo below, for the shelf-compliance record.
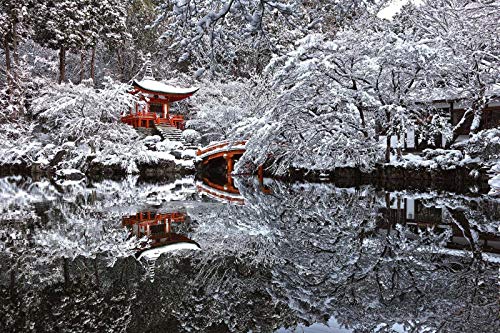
(170, 133)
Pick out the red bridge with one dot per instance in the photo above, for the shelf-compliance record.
(223, 149)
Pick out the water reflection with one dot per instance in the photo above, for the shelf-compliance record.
(420, 215)
(299, 256)
(224, 189)
(159, 230)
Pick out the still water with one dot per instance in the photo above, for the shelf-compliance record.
(245, 256)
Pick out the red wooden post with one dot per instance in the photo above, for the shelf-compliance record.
(230, 163)
(261, 174)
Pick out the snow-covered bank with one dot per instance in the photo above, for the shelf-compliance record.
(471, 163)
(466, 179)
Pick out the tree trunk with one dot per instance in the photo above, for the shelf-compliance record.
(66, 273)
(92, 65)
(8, 68)
(96, 273)
(82, 63)
(120, 64)
(15, 54)
(361, 115)
(62, 64)
(17, 91)
(475, 112)
(13, 280)
(399, 149)
(388, 148)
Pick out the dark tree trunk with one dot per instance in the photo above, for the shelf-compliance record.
(66, 273)
(476, 110)
(13, 281)
(388, 149)
(96, 273)
(92, 65)
(17, 92)
(62, 64)
(120, 64)
(8, 67)
(82, 65)
(15, 54)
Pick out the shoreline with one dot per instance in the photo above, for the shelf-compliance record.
(458, 179)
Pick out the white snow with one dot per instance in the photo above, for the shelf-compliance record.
(155, 253)
(161, 87)
(494, 181)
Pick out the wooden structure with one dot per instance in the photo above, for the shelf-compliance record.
(155, 99)
(157, 227)
(227, 150)
(154, 103)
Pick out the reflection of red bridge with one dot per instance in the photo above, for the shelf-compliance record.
(225, 192)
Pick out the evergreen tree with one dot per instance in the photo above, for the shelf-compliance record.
(62, 25)
(14, 26)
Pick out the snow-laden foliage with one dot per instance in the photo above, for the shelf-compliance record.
(485, 145)
(465, 28)
(223, 34)
(78, 125)
(191, 136)
(223, 107)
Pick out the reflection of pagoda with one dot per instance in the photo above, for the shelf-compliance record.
(418, 217)
(159, 229)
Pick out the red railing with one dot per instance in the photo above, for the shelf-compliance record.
(219, 145)
(143, 119)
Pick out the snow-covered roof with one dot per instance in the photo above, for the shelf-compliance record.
(160, 87)
(156, 252)
(434, 94)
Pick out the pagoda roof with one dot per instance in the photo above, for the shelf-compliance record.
(154, 86)
(157, 251)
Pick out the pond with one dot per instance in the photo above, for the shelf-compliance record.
(243, 255)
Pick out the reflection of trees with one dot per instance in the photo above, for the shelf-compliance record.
(329, 259)
(300, 254)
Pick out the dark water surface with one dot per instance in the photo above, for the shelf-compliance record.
(192, 256)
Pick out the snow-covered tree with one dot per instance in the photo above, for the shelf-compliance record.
(62, 25)
(223, 106)
(15, 20)
(223, 35)
(465, 31)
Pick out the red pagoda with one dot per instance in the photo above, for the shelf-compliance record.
(155, 99)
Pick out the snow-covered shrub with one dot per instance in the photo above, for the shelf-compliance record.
(445, 159)
(191, 136)
(484, 145)
(167, 145)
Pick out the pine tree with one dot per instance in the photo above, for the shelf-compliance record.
(62, 25)
(14, 26)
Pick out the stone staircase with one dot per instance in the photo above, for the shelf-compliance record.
(170, 133)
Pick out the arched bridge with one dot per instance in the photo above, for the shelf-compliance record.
(222, 149)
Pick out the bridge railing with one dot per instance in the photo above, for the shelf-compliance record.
(219, 145)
